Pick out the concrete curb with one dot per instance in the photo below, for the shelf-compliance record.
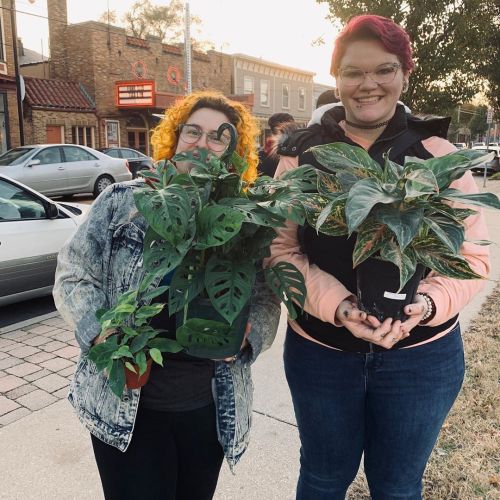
(28, 322)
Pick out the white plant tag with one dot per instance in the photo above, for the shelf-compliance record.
(395, 296)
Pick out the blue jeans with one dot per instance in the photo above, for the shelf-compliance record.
(389, 406)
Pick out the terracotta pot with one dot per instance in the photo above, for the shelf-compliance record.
(134, 381)
(378, 283)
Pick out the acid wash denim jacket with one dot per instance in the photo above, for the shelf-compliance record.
(103, 260)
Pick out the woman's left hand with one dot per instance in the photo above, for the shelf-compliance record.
(416, 313)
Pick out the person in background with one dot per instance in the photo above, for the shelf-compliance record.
(168, 439)
(361, 387)
(280, 124)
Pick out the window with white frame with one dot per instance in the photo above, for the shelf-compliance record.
(85, 136)
(285, 96)
(248, 85)
(264, 93)
(302, 98)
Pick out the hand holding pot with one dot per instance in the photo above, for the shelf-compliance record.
(369, 328)
(243, 344)
(103, 336)
(416, 312)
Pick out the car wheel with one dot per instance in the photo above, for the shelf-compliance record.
(102, 183)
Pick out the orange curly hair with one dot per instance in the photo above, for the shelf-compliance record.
(164, 137)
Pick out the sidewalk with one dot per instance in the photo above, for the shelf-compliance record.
(46, 453)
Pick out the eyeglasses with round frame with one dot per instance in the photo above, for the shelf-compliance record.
(383, 74)
(191, 134)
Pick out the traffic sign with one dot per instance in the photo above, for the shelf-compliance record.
(489, 115)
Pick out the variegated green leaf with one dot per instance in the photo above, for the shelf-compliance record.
(392, 171)
(436, 256)
(371, 236)
(339, 156)
(405, 261)
(420, 182)
(335, 224)
(450, 233)
(403, 223)
(363, 196)
(446, 168)
(488, 200)
(457, 215)
(328, 183)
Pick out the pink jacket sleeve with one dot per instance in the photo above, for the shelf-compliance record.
(451, 295)
(324, 292)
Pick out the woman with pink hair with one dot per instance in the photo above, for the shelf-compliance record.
(360, 386)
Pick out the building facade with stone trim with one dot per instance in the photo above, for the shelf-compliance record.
(276, 88)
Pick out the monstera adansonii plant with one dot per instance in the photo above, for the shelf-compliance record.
(209, 230)
(400, 216)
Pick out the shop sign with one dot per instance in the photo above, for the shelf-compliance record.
(139, 93)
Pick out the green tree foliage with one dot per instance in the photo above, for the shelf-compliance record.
(164, 20)
(448, 40)
(478, 125)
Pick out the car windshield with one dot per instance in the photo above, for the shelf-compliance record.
(14, 156)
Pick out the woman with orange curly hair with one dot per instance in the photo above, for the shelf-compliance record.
(168, 439)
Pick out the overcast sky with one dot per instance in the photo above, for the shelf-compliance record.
(281, 31)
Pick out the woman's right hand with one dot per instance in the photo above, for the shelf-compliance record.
(365, 327)
(103, 336)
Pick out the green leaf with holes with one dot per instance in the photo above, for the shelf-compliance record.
(217, 225)
(229, 285)
(287, 282)
(160, 256)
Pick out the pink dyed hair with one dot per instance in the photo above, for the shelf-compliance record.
(371, 27)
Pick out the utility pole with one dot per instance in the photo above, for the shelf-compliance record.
(16, 71)
(187, 50)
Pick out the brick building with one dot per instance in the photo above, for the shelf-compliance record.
(129, 79)
(59, 111)
(9, 121)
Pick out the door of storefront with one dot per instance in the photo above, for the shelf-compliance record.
(137, 139)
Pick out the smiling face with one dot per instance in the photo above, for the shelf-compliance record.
(207, 120)
(368, 102)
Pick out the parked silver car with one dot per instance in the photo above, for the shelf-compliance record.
(62, 169)
(33, 228)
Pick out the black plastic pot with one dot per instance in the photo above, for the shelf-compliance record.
(202, 308)
(378, 284)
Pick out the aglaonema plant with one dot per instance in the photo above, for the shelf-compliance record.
(210, 230)
(398, 213)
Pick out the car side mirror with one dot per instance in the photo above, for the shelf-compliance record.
(31, 163)
(52, 211)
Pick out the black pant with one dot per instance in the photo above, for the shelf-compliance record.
(172, 456)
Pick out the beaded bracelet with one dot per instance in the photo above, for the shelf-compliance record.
(431, 308)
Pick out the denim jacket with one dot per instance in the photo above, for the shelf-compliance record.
(103, 260)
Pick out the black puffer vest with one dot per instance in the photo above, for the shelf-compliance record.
(402, 137)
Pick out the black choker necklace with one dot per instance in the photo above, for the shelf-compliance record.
(367, 127)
